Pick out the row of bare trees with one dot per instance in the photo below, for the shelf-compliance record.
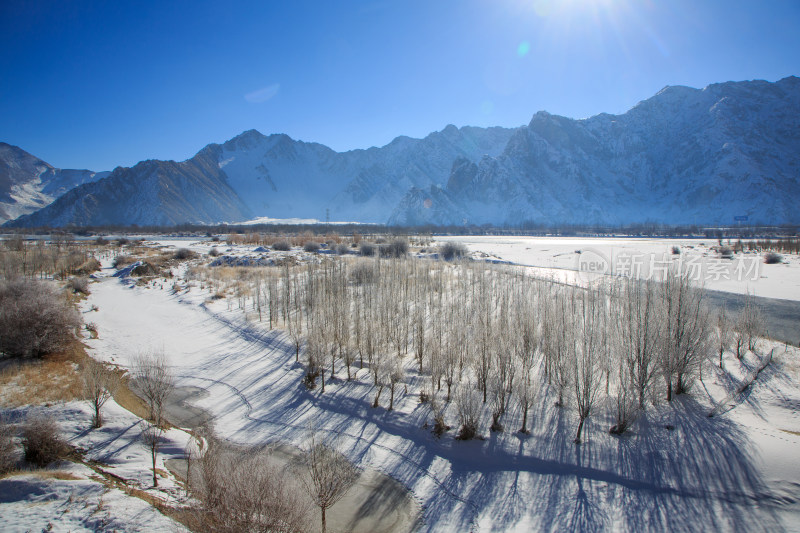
(484, 337)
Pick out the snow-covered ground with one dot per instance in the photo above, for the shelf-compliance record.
(73, 497)
(677, 470)
(577, 260)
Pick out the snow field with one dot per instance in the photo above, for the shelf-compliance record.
(709, 470)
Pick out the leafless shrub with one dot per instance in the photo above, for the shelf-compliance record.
(79, 285)
(121, 261)
(311, 247)
(214, 252)
(326, 474)
(676, 250)
(772, 258)
(342, 249)
(34, 319)
(41, 441)
(397, 248)
(366, 249)
(468, 406)
(99, 384)
(122, 241)
(725, 252)
(452, 250)
(8, 458)
(100, 241)
(244, 491)
(282, 246)
(182, 254)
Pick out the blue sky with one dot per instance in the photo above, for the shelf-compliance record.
(100, 84)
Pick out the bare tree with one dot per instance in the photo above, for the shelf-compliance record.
(724, 334)
(151, 437)
(326, 474)
(396, 375)
(99, 384)
(751, 322)
(686, 332)
(588, 354)
(625, 404)
(245, 491)
(638, 335)
(154, 381)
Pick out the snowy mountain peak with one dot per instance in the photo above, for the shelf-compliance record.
(27, 183)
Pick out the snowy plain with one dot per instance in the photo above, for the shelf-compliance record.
(677, 469)
(569, 259)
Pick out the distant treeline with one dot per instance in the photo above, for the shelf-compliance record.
(647, 229)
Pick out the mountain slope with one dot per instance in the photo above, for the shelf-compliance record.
(684, 155)
(27, 183)
(150, 193)
(254, 175)
(279, 177)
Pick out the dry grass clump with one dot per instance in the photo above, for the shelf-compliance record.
(79, 285)
(89, 266)
(7, 448)
(51, 379)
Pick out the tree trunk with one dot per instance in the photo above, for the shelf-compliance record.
(322, 375)
(324, 527)
(391, 397)
(669, 390)
(578, 436)
(524, 420)
(155, 479)
(98, 422)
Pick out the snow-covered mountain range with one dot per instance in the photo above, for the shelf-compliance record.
(685, 155)
(27, 183)
(682, 156)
